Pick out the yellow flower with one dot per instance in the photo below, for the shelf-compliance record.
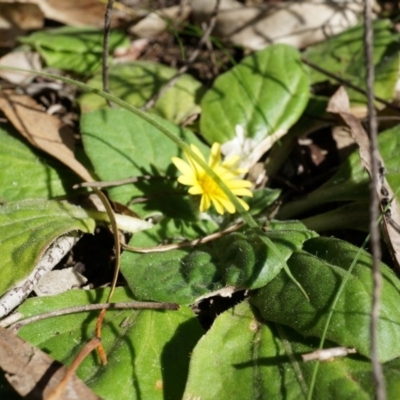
(202, 184)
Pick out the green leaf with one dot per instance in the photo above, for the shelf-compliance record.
(343, 55)
(184, 275)
(242, 357)
(77, 49)
(320, 269)
(239, 358)
(137, 82)
(121, 145)
(264, 94)
(26, 173)
(148, 351)
(27, 228)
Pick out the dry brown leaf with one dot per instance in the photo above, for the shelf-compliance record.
(73, 12)
(158, 21)
(20, 59)
(131, 53)
(339, 104)
(15, 18)
(59, 281)
(22, 15)
(76, 12)
(344, 142)
(297, 23)
(33, 373)
(44, 131)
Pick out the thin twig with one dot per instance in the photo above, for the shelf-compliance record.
(119, 182)
(58, 393)
(189, 243)
(106, 40)
(98, 329)
(51, 257)
(349, 84)
(213, 19)
(377, 372)
(93, 307)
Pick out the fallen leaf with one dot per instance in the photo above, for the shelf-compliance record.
(20, 59)
(46, 132)
(339, 104)
(15, 18)
(76, 12)
(131, 53)
(59, 281)
(292, 22)
(33, 373)
(344, 142)
(159, 21)
(22, 15)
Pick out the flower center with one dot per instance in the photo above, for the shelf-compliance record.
(208, 185)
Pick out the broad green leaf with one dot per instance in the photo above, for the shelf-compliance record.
(350, 182)
(25, 173)
(320, 269)
(137, 82)
(343, 55)
(27, 228)
(239, 358)
(264, 94)
(185, 274)
(148, 351)
(242, 357)
(121, 145)
(77, 49)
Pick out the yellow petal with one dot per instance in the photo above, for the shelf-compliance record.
(231, 161)
(187, 180)
(196, 150)
(196, 189)
(215, 156)
(238, 183)
(244, 204)
(242, 192)
(182, 165)
(205, 203)
(227, 204)
(231, 165)
(218, 206)
(193, 165)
